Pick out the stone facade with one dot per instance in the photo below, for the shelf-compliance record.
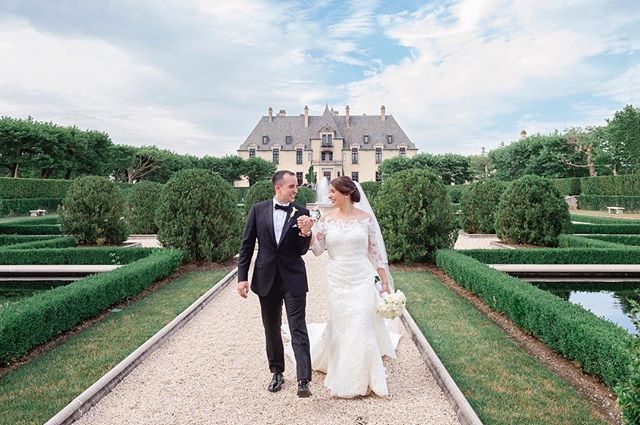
(335, 145)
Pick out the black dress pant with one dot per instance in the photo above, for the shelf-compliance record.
(271, 308)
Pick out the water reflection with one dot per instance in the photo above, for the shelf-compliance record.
(608, 300)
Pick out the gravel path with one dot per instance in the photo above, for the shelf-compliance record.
(214, 370)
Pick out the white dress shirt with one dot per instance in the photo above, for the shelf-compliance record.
(279, 216)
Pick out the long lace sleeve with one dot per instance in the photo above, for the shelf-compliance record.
(319, 231)
(374, 253)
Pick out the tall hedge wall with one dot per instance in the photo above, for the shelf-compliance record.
(624, 185)
(11, 188)
(601, 202)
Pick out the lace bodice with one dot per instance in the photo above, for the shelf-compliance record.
(348, 239)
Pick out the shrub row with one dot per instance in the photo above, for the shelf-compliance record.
(141, 207)
(556, 256)
(102, 255)
(599, 346)
(24, 205)
(603, 220)
(37, 319)
(603, 229)
(24, 229)
(628, 184)
(571, 241)
(57, 242)
(601, 202)
(568, 186)
(32, 221)
(11, 188)
(619, 239)
(14, 239)
(456, 192)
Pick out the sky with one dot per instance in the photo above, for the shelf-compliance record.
(195, 76)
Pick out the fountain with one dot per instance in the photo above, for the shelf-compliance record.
(322, 203)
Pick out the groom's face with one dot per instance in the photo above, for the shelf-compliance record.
(288, 189)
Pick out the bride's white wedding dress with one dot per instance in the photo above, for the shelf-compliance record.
(350, 347)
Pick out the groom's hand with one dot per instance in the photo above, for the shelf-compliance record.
(243, 288)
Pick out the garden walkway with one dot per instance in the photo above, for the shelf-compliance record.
(214, 370)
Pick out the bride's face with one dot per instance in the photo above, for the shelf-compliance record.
(336, 198)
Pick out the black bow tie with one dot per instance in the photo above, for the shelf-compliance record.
(283, 207)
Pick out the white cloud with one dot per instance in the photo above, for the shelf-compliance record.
(624, 88)
(475, 61)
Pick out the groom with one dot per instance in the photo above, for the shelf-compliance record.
(279, 275)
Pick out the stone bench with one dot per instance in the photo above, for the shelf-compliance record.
(618, 210)
(36, 213)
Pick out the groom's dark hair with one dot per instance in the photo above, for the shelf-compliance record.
(279, 175)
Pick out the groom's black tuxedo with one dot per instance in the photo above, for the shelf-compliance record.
(279, 275)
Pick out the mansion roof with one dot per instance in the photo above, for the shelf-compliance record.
(278, 127)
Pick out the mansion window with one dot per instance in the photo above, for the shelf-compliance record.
(354, 155)
(326, 156)
(389, 138)
(288, 140)
(327, 140)
(378, 176)
(403, 151)
(265, 140)
(365, 138)
(276, 156)
(354, 176)
(252, 153)
(378, 155)
(298, 156)
(299, 178)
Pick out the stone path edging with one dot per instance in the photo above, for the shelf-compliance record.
(104, 385)
(464, 411)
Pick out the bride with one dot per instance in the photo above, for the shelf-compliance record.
(350, 347)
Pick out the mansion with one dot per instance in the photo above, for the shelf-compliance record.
(351, 145)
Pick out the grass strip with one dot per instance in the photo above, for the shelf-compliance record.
(504, 384)
(38, 390)
(603, 220)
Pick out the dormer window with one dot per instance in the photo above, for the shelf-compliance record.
(288, 140)
(365, 138)
(265, 140)
(389, 138)
(327, 140)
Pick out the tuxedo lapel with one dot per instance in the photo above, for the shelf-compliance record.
(269, 221)
(287, 225)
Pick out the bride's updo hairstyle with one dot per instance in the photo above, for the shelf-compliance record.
(346, 186)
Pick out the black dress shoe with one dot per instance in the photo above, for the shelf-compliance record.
(276, 382)
(303, 388)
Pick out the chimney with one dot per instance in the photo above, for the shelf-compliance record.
(523, 134)
(270, 114)
(306, 116)
(483, 151)
(346, 116)
(382, 113)
(282, 113)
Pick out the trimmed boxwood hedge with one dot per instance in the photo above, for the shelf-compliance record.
(556, 256)
(11, 188)
(571, 241)
(23, 206)
(56, 242)
(14, 239)
(619, 239)
(627, 184)
(33, 221)
(102, 255)
(601, 202)
(603, 220)
(37, 319)
(599, 346)
(603, 229)
(24, 229)
(568, 186)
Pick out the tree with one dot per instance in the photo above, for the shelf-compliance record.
(256, 169)
(583, 141)
(310, 176)
(230, 167)
(622, 139)
(479, 167)
(395, 165)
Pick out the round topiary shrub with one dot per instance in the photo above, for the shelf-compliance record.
(415, 216)
(260, 191)
(371, 189)
(479, 204)
(305, 196)
(142, 202)
(198, 214)
(532, 211)
(93, 212)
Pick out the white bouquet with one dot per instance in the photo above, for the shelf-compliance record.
(391, 306)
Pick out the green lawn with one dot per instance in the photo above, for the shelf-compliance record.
(5, 220)
(504, 384)
(38, 390)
